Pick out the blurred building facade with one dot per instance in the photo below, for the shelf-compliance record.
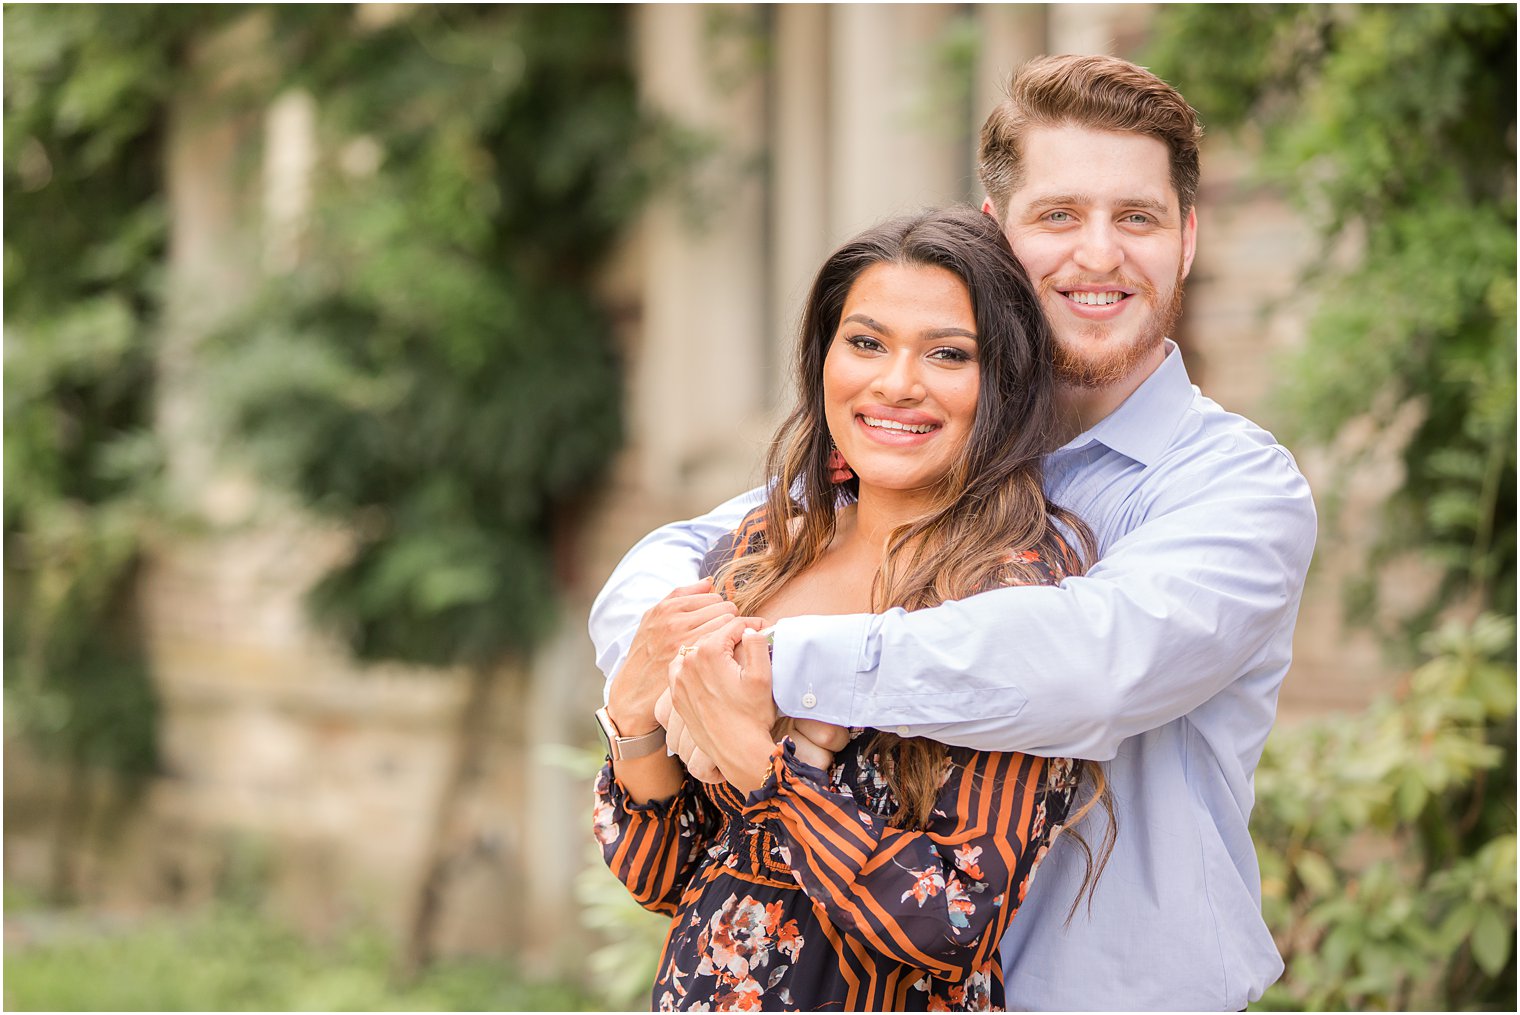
(829, 118)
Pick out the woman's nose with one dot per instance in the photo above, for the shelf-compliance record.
(900, 379)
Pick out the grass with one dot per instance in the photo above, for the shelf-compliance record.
(228, 959)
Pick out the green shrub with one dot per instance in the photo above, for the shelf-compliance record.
(1387, 850)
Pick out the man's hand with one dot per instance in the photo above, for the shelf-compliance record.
(816, 741)
(683, 617)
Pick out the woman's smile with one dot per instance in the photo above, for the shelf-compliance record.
(896, 427)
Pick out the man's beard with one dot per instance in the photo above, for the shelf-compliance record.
(1089, 365)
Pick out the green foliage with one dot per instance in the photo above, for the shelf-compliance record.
(623, 966)
(436, 372)
(84, 235)
(1388, 882)
(1394, 130)
(228, 959)
(1387, 840)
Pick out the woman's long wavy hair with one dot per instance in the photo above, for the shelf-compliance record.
(987, 510)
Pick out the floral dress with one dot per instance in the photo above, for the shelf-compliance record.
(800, 895)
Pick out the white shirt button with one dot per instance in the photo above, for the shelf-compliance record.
(809, 700)
(902, 731)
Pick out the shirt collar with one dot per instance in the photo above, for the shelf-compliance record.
(1143, 424)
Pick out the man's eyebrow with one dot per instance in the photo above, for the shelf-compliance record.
(932, 334)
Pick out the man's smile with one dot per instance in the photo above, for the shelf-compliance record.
(1100, 299)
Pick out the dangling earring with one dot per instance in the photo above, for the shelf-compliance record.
(839, 469)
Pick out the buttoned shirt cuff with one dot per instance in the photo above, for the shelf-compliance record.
(815, 665)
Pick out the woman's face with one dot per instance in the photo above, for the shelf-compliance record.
(900, 379)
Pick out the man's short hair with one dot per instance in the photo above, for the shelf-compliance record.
(1097, 92)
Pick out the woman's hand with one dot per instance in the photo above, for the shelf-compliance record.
(722, 689)
(815, 741)
(679, 742)
(683, 617)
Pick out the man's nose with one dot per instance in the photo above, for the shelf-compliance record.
(900, 378)
(1098, 248)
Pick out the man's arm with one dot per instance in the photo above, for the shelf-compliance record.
(667, 557)
(1201, 593)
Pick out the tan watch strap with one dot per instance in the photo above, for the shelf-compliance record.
(621, 748)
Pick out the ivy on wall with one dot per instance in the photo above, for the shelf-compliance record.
(436, 370)
(433, 370)
(1387, 839)
(85, 88)
(1392, 127)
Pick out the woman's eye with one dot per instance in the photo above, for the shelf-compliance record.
(865, 343)
(950, 354)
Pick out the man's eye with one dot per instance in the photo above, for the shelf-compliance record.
(1059, 216)
(1138, 219)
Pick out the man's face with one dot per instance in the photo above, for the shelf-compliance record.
(1096, 223)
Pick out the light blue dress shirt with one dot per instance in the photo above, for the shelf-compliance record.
(1164, 661)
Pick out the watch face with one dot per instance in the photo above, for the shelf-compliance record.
(609, 733)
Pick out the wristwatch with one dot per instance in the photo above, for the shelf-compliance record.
(621, 748)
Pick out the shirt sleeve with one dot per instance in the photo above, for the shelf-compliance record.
(666, 558)
(937, 899)
(1203, 592)
(653, 848)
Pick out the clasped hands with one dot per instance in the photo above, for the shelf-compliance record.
(714, 699)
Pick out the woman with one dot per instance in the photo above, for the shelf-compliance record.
(907, 474)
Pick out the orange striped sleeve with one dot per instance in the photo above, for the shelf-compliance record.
(747, 538)
(937, 899)
(654, 848)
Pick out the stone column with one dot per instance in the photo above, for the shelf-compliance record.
(213, 255)
(1008, 35)
(894, 147)
(694, 276)
(1088, 28)
(699, 373)
(800, 147)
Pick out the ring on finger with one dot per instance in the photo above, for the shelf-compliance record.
(681, 653)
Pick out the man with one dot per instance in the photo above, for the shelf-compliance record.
(1166, 658)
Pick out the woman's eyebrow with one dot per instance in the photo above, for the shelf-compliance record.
(932, 334)
(874, 325)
